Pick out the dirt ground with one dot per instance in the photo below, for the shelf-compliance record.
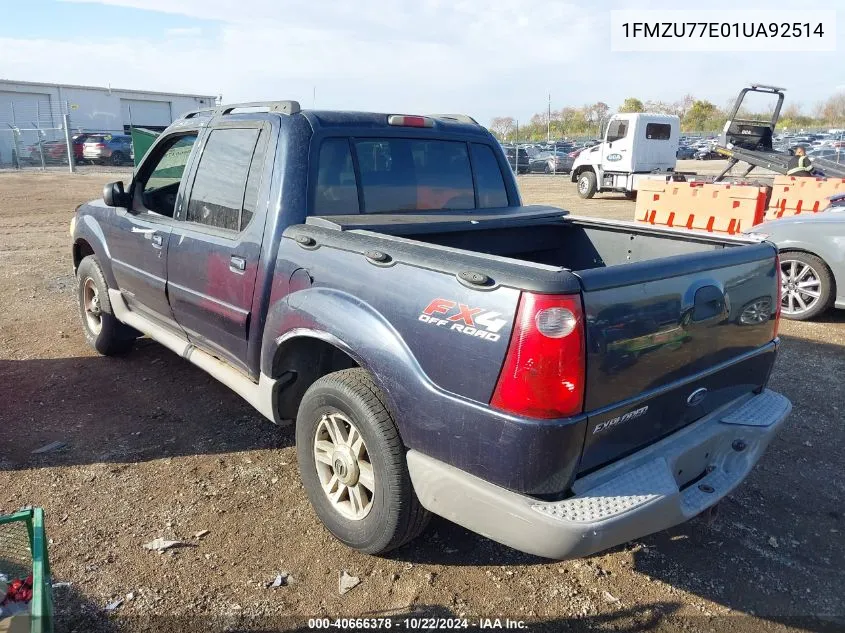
(156, 448)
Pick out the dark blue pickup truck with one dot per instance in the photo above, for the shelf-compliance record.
(558, 384)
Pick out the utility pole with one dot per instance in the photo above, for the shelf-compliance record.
(549, 121)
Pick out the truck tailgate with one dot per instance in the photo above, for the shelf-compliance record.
(671, 340)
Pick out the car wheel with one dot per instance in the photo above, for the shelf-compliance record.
(587, 185)
(117, 158)
(102, 330)
(806, 285)
(352, 464)
(630, 195)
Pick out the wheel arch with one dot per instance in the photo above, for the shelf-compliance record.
(89, 239)
(807, 251)
(302, 358)
(339, 331)
(81, 250)
(577, 171)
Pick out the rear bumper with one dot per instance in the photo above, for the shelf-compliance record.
(635, 496)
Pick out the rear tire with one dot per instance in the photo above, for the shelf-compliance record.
(587, 185)
(116, 158)
(630, 195)
(359, 486)
(805, 279)
(102, 330)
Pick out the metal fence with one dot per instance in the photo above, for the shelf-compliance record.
(35, 134)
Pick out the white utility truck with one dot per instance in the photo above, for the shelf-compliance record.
(635, 146)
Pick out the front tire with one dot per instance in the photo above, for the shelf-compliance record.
(352, 464)
(102, 330)
(807, 286)
(587, 185)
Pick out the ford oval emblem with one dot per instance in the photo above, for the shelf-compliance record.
(697, 397)
(614, 157)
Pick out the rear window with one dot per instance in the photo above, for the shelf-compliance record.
(658, 131)
(400, 174)
(488, 177)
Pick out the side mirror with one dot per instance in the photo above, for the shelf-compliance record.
(114, 195)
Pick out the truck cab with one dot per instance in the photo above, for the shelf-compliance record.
(635, 145)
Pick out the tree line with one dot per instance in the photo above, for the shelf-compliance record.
(697, 115)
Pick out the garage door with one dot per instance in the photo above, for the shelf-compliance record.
(143, 113)
(24, 110)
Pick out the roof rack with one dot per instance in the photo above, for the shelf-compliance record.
(460, 118)
(282, 107)
(196, 113)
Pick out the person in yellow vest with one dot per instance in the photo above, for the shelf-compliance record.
(799, 164)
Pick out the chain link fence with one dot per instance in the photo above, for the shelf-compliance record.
(35, 134)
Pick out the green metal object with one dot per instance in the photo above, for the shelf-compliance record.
(142, 140)
(23, 551)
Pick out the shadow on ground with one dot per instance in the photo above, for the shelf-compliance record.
(146, 406)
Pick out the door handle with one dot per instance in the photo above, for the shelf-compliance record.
(237, 264)
(155, 238)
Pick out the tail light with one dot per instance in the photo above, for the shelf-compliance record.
(778, 275)
(544, 371)
(100, 145)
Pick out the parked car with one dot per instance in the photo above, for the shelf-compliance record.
(812, 259)
(79, 144)
(551, 162)
(549, 381)
(521, 164)
(707, 154)
(112, 149)
(685, 153)
(829, 153)
(54, 152)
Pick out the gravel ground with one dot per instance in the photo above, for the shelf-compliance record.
(155, 448)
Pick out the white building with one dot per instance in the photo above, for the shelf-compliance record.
(31, 106)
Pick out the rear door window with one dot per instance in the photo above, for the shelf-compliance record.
(218, 192)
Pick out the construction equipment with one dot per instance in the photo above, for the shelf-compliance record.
(750, 140)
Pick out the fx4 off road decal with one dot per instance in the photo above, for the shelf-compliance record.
(459, 317)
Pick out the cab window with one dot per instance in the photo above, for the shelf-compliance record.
(158, 181)
(617, 130)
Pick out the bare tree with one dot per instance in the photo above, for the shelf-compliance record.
(502, 126)
(834, 109)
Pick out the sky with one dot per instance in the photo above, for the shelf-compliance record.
(480, 57)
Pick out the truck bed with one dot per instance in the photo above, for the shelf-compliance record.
(667, 312)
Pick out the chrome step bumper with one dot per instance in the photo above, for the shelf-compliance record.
(643, 493)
